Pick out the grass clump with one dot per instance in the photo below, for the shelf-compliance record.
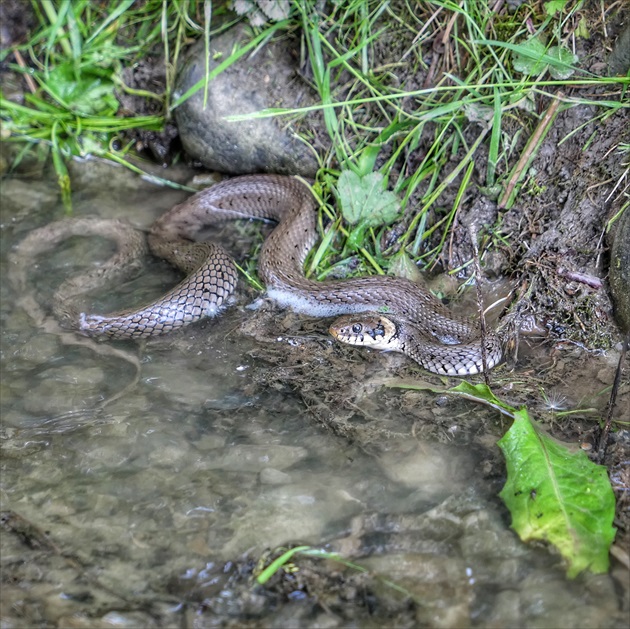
(74, 64)
(484, 79)
(422, 94)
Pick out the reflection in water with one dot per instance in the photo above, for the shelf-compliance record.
(214, 452)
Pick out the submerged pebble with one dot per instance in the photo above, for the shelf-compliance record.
(254, 458)
(183, 385)
(272, 476)
(428, 468)
(39, 349)
(275, 515)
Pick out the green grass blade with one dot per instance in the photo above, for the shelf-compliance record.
(112, 17)
(276, 564)
(63, 178)
(495, 139)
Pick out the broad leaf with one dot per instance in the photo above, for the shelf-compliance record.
(553, 494)
(558, 496)
(562, 68)
(529, 58)
(532, 57)
(401, 265)
(363, 199)
(555, 6)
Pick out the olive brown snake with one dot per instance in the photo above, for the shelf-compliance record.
(401, 315)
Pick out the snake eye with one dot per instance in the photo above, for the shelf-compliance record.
(356, 328)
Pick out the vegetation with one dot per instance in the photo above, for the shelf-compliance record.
(74, 62)
(493, 66)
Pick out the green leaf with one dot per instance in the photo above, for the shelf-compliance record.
(582, 29)
(558, 496)
(553, 494)
(529, 59)
(401, 265)
(555, 6)
(532, 57)
(563, 67)
(356, 237)
(363, 200)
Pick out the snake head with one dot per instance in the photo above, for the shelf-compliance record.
(366, 330)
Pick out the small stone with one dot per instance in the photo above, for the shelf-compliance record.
(189, 387)
(272, 476)
(506, 610)
(39, 349)
(107, 453)
(74, 375)
(429, 469)
(169, 455)
(279, 515)
(127, 620)
(18, 199)
(209, 442)
(251, 458)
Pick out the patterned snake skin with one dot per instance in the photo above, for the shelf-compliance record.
(425, 329)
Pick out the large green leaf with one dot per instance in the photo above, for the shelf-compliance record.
(553, 494)
(365, 203)
(558, 496)
(363, 199)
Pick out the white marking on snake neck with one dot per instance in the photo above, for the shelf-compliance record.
(309, 306)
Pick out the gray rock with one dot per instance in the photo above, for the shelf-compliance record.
(619, 60)
(620, 271)
(266, 79)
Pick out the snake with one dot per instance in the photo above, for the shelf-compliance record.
(386, 312)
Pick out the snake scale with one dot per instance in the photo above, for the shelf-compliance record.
(399, 314)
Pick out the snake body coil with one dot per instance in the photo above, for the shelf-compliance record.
(433, 336)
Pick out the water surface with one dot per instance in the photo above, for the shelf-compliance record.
(241, 434)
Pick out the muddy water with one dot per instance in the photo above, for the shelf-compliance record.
(140, 485)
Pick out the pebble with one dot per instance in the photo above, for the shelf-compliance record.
(272, 476)
(38, 349)
(254, 458)
(427, 468)
(190, 387)
(126, 620)
(279, 515)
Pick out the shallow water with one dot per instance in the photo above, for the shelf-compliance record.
(135, 511)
